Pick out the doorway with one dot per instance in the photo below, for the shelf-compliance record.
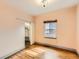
(27, 34)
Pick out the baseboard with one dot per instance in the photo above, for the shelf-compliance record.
(58, 47)
(11, 53)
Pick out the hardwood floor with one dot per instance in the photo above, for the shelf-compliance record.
(61, 54)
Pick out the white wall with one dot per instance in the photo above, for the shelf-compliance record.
(66, 26)
(12, 31)
(11, 40)
(78, 28)
(32, 33)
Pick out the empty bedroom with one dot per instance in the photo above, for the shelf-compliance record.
(39, 29)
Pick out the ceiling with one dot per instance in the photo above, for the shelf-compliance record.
(33, 7)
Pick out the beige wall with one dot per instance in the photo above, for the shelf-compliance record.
(78, 29)
(66, 27)
(12, 31)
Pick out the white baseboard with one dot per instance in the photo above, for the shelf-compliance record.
(11, 53)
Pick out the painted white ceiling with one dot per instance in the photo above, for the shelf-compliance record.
(33, 7)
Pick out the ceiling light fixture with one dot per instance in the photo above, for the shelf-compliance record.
(44, 3)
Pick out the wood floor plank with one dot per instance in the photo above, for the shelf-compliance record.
(61, 54)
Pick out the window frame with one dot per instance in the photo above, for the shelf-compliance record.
(51, 31)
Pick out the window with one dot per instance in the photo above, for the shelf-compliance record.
(50, 29)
